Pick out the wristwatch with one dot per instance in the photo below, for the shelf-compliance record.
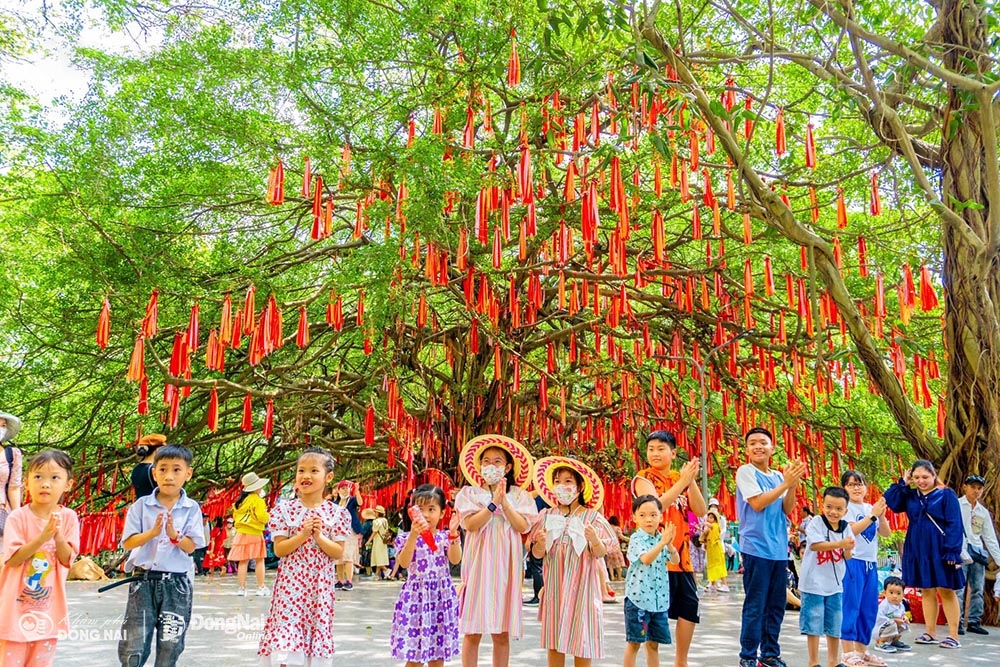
(873, 518)
(492, 507)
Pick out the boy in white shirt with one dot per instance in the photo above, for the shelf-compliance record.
(829, 542)
(891, 619)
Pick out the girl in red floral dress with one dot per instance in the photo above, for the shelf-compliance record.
(309, 534)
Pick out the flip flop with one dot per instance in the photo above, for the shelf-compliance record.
(948, 642)
(925, 639)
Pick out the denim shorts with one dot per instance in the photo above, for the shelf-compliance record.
(643, 626)
(821, 614)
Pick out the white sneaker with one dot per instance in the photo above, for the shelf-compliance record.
(242, 592)
(723, 588)
(263, 592)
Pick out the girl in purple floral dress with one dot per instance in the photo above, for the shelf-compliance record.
(425, 623)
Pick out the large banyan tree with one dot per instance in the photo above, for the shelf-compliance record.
(385, 227)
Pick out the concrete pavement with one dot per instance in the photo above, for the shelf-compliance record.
(225, 630)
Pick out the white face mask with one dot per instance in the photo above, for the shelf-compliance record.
(566, 494)
(3, 433)
(262, 493)
(492, 474)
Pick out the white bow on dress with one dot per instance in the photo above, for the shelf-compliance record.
(557, 524)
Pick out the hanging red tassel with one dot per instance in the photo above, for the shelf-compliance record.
(658, 238)
(779, 134)
(469, 133)
(747, 122)
(317, 211)
(768, 277)
(268, 430)
(862, 257)
(104, 325)
(302, 333)
(841, 209)
(306, 178)
(813, 205)
(212, 420)
(928, 297)
(226, 321)
(193, 331)
(411, 132)
(875, 208)
(136, 365)
(247, 424)
(810, 146)
(709, 194)
(370, 426)
(149, 323)
(248, 310)
(143, 408)
(514, 64)
(276, 185)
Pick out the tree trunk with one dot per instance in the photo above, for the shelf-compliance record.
(972, 283)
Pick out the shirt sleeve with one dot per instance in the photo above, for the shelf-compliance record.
(467, 503)
(746, 482)
(194, 527)
(636, 548)
(14, 534)
(279, 521)
(341, 526)
(16, 471)
(897, 495)
(989, 537)
(954, 535)
(815, 531)
(260, 510)
(71, 529)
(133, 521)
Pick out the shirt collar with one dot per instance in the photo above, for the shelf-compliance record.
(153, 499)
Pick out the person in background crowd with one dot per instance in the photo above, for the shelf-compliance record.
(715, 556)
(367, 519)
(615, 557)
(764, 498)
(348, 496)
(228, 544)
(198, 555)
(380, 540)
(677, 492)
(980, 544)
(932, 550)
(251, 516)
(713, 504)
(142, 473)
(215, 556)
(10, 467)
(807, 515)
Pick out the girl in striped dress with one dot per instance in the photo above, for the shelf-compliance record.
(494, 512)
(572, 538)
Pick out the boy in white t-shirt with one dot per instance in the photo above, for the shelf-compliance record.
(829, 542)
(891, 619)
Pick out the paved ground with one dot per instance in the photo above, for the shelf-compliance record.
(225, 630)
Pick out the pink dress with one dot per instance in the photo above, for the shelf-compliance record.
(34, 593)
(492, 565)
(299, 627)
(571, 609)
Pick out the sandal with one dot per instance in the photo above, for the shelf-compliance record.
(873, 660)
(853, 659)
(949, 642)
(925, 639)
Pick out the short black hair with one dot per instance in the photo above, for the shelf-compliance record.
(663, 436)
(56, 456)
(429, 493)
(173, 452)
(892, 581)
(836, 492)
(851, 474)
(758, 429)
(639, 501)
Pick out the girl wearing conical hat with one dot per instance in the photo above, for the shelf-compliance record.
(495, 511)
(572, 537)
